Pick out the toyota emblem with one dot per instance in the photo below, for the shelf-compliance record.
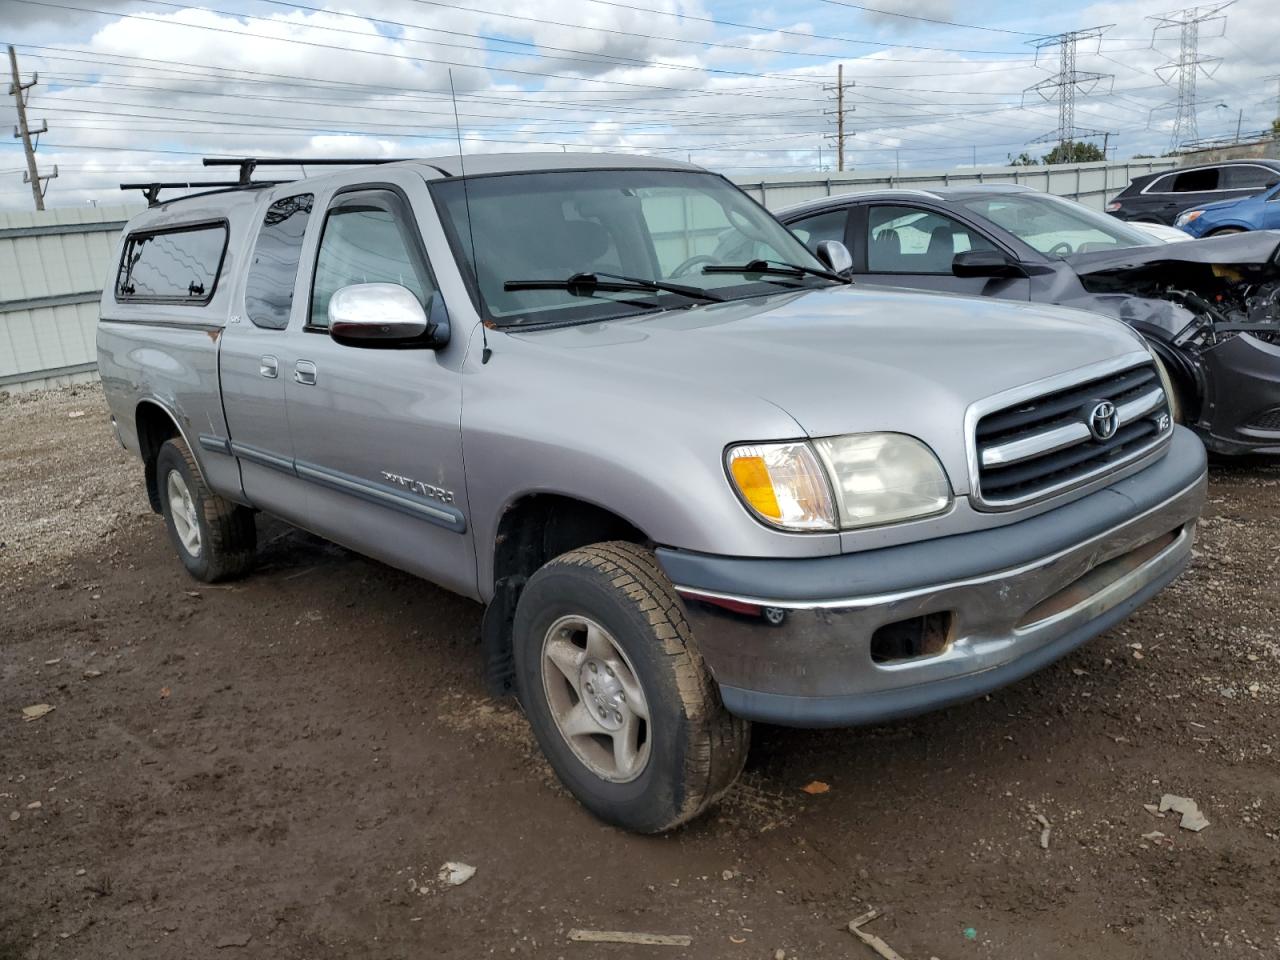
(1103, 421)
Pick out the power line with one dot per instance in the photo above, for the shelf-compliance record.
(934, 20)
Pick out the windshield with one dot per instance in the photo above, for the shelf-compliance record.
(663, 225)
(1055, 226)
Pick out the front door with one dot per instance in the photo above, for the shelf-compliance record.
(376, 433)
(901, 245)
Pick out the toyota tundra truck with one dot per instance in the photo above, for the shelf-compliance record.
(689, 493)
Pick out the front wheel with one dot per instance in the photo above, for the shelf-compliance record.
(215, 538)
(616, 692)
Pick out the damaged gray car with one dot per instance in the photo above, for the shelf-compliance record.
(1210, 308)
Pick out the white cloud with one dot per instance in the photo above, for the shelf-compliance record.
(337, 85)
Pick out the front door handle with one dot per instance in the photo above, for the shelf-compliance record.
(269, 367)
(304, 371)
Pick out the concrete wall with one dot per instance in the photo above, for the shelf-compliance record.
(1092, 184)
(1268, 149)
(52, 266)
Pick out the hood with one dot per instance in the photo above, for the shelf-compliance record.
(842, 360)
(1257, 248)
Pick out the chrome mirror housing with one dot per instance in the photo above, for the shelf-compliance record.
(372, 314)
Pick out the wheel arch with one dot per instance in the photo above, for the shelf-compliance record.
(533, 529)
(1187, 379)
(155, 423)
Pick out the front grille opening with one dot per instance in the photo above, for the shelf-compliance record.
(1084, 588)
(912, 639)
(1269, 421)
(1057, 459)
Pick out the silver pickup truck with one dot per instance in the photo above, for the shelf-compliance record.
(690, 493)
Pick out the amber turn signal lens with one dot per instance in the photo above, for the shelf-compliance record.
(752, 477)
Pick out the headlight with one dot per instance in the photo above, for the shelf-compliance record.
(783, 484)
(883, 478)
(877, 478)
(1185, 218)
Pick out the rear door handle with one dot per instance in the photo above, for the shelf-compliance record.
(269, 367)
(304, 371)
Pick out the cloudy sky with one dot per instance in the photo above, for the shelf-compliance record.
(140, 89)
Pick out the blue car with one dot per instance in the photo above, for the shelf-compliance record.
(1259, 212)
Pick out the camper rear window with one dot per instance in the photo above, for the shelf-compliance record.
(177, 265)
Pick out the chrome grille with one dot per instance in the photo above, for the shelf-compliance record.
(1047, 445)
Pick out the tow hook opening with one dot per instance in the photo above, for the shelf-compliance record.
(912, 639)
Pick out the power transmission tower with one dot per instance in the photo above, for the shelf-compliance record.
(841, 109)
(1064, 85)
(23, 130)
(1189, 65)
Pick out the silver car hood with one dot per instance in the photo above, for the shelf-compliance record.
(853, 359)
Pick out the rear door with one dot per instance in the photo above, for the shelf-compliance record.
(904, 245)
(255, 357)
(377, 432)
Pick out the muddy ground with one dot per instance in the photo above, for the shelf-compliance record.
(278, 768)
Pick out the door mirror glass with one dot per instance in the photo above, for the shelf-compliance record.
(985, 263)
(376, 314)
(835, 255)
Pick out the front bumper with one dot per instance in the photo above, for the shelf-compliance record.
(790, 641)
(1243, 412)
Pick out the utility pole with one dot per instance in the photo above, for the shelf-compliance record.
(1189, 65)
(1275, 131)
(1065, 83)
(839, 112)
(23, 131)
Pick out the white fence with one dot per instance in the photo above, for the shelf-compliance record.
(1090, 183)
(52, 264)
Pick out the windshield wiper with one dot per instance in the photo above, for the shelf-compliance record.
(588, 284)
(777, 268)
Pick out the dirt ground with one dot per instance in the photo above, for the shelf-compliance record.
(278, 768)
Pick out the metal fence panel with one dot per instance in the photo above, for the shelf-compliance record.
(52, 266)
(1090, 183)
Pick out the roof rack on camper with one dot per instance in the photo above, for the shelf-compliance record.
(247, 165)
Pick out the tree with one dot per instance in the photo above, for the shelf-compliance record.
(1275, 129)
(1023, 159)
(1075, 151)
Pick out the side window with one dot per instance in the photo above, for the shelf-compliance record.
(366, 240)
(1195, 181)
(910, 240)
(822, 226)
(178, 265)
(1249, 177)
(268, 294)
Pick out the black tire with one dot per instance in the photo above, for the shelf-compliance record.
(227, 535)
(696, 748)
(1226, 232)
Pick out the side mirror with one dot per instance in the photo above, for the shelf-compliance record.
(986, 263)
(835, 255)
(385, 315)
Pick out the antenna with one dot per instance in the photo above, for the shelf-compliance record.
(486, 353)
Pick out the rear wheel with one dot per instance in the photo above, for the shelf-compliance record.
(616, 692)
(215, 538)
